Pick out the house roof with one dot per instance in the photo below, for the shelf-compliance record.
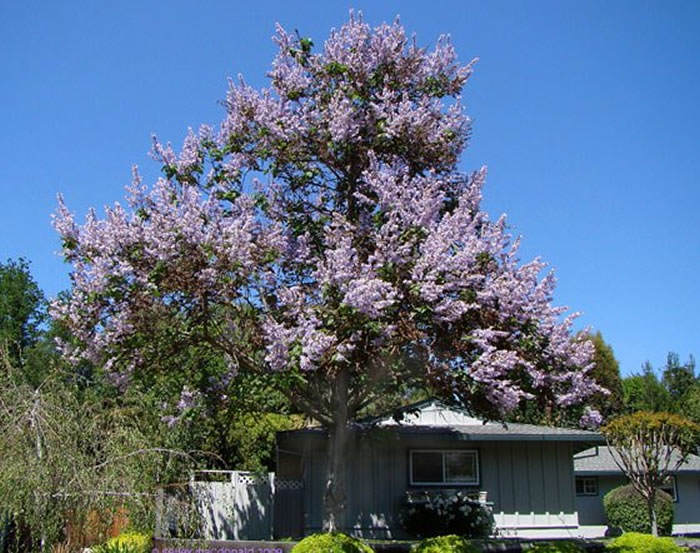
(433, 417)
(599, 461)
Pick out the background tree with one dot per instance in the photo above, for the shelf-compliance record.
(22, 309)
(324, 235)
(648, 448)
(233, 419)
(677, 391)
(606, 372)
(67, 453)
(645, 392)
(691, 403)
(678, 380)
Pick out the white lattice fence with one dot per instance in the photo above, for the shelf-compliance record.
(237, 506)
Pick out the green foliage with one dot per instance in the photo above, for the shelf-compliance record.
(677, 378)
(68, 452)
(650, 447)
(231, 420)
(331, 543)
(556, 547)
(606, 373)
(235, 425)
(644, 392)
(445, 544)
(254, 437)
(627, 509)
(22, 309)
(682, 385)
(130, 542)
(634, 542)
(675, 431)
(691, 403)
(677, 391)
(433, 514)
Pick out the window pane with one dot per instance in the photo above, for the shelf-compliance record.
(586, 486)
(460, 466)
(427, 466)
(670, 488)
(591, 486)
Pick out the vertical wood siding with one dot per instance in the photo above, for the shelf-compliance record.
(530, 484)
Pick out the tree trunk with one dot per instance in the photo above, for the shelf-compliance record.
(652, 514)
(335, 494)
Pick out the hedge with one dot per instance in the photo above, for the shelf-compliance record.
(627, 509)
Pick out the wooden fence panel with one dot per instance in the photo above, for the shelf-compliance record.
(288, 509)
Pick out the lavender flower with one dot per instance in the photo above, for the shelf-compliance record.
(365, 241)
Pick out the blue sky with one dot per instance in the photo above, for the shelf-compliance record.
(586, 113)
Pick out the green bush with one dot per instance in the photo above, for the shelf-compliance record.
(445, 544)
(627, 509)
(331, 543)
(634, 542)
(556, 547)
(129, 542)
(431, 514)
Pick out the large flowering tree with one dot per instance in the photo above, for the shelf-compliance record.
(323, 232)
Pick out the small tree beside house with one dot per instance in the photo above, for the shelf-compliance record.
(648, 448)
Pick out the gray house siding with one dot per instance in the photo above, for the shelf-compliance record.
(686, 508)
(530, 484)
(598, 462)
(590, 507)
(688, 505)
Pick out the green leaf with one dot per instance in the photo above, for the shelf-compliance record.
(228, 195)
(169, 171)
(306, 45)
(334, 68)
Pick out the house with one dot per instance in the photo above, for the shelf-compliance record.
(597, 473)
(525, 472)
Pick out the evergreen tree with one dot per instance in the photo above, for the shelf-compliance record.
(22, 309)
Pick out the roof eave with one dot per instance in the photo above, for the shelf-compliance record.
(592, 439)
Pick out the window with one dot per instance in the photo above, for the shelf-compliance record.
(586, 485)
(671, 489)
(435, 467)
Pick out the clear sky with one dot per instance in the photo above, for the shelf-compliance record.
(586, 113)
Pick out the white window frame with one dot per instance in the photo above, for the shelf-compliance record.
(444, 483)
(584, 479)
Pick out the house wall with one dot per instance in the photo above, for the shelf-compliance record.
(686, 518)
(687, 510)
(590, 507)
(530, 484)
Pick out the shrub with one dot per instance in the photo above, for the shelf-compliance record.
(130, 542)
(445, 544)
(331, 543)
(430, 514)
(556, 547)
(634, 542)
(627, 509)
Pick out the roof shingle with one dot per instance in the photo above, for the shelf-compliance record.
(599, 460)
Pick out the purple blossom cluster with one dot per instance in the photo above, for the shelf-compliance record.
(361, 238)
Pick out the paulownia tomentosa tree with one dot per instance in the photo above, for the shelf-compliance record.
(323, 232)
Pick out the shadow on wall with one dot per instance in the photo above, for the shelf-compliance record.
(218, 505)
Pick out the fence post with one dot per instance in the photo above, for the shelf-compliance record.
(271, 506)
